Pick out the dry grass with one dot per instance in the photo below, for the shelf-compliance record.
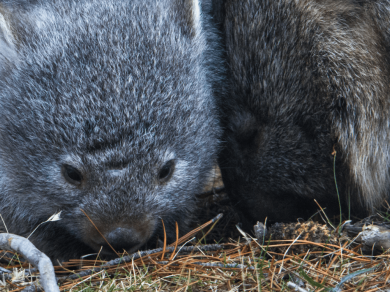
(238, 264)
(242, 265)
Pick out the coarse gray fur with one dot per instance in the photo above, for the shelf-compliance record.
(114, 89)
(307, 77)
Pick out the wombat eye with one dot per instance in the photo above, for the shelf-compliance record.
(166, 171)
(72, 175)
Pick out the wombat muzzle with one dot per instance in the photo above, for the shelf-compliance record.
(112, 239)
(122, 239)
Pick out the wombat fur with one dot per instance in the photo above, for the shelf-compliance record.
(108, 108)
(306, 78)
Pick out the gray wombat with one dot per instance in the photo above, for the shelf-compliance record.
(106, 107)
(307, 77)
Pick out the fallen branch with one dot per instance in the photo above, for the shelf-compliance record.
(37, 258)
(371, 236)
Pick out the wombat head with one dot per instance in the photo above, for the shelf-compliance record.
(106, 108)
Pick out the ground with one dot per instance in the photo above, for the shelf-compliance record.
(298, 256)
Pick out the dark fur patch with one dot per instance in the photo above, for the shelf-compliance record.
(315, 77)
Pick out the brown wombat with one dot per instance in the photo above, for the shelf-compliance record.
(307, 78)
(108, 108)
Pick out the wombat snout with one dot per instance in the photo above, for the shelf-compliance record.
(120, 238)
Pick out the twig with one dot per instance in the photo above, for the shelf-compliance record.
(37, 258)
(296, 287)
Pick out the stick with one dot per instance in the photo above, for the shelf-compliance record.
(37, 258)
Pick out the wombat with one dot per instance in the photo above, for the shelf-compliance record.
(308, 79)
(108, 108)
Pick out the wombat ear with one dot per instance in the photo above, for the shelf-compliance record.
(193, 15)
(7, 41)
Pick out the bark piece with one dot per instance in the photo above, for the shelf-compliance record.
(371, 236)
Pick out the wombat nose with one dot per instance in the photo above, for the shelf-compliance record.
(123, 239)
